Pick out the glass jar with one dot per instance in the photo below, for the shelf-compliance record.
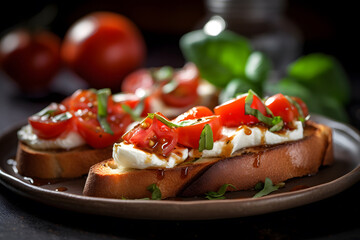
(264, 24)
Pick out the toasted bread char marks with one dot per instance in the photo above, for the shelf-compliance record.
(244, 169)
(58, 163)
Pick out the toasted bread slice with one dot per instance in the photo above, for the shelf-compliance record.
(243, 170)
(58, 163)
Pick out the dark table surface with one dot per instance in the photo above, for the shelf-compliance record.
(22, 218)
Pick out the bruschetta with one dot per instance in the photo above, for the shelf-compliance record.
(241, 143)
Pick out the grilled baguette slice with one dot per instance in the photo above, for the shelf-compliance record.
(58, 163)
(246, 168)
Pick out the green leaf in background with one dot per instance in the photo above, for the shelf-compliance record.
(316, 101)
(322, 74)
(219, 58)
(257, 68)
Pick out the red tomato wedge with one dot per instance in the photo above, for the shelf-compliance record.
(233, 114)
(280, 106)
(89, 128)
(84, 105)
(189, 136)
(51, 122)
(185, 93)
(139, 79)
(153, 136)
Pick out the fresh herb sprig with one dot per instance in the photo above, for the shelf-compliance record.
(155, 192)
(170, 123)
(267, 188)
(102, 98)
(206, 140)
(135, 113)
(220, 193)
(275, 122)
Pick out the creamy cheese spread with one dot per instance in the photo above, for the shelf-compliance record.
(128, 156)
(71, 140)
(234, 139)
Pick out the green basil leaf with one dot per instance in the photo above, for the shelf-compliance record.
(317, 102)
(170, 86)
(268, 188)
(297, 106)
(323, 74)
(163, 73)
(172, 124)
(63, 116)
(102, 98)
(219, 58)
(130, 111)
(206, 139)
(155, 192)
(257, 67)
(220, 193)
(46, 112)
(105, 125)
(275, 123)
(135, 113)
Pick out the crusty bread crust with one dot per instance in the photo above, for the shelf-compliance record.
(58, 163)
(243, 170)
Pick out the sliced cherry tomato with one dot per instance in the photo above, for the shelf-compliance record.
(102, 48)
(302, 104)
(31, 59)
(83, 99)
(193, 113)
(153, 136)
(89, 128)
(51, 122)
(140, 79)
(84, 105)
(185, 93)
(189, 136)
(233, 114)
(280, 106)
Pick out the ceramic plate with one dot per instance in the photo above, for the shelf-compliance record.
(67, 194)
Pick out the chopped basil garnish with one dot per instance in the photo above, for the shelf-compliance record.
(220, 193)
(298, 108)
(136, 112)
(170, 86)
(63, 116)
(155, 192)
(268, 188)
(102, 98)
(172, 124)
(275, 123)
(206, 139)
(163, 73)
(46, 112)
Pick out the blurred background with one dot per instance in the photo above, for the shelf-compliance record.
(288, 29)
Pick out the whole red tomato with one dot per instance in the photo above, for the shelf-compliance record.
(102, 48)
(31, 59)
